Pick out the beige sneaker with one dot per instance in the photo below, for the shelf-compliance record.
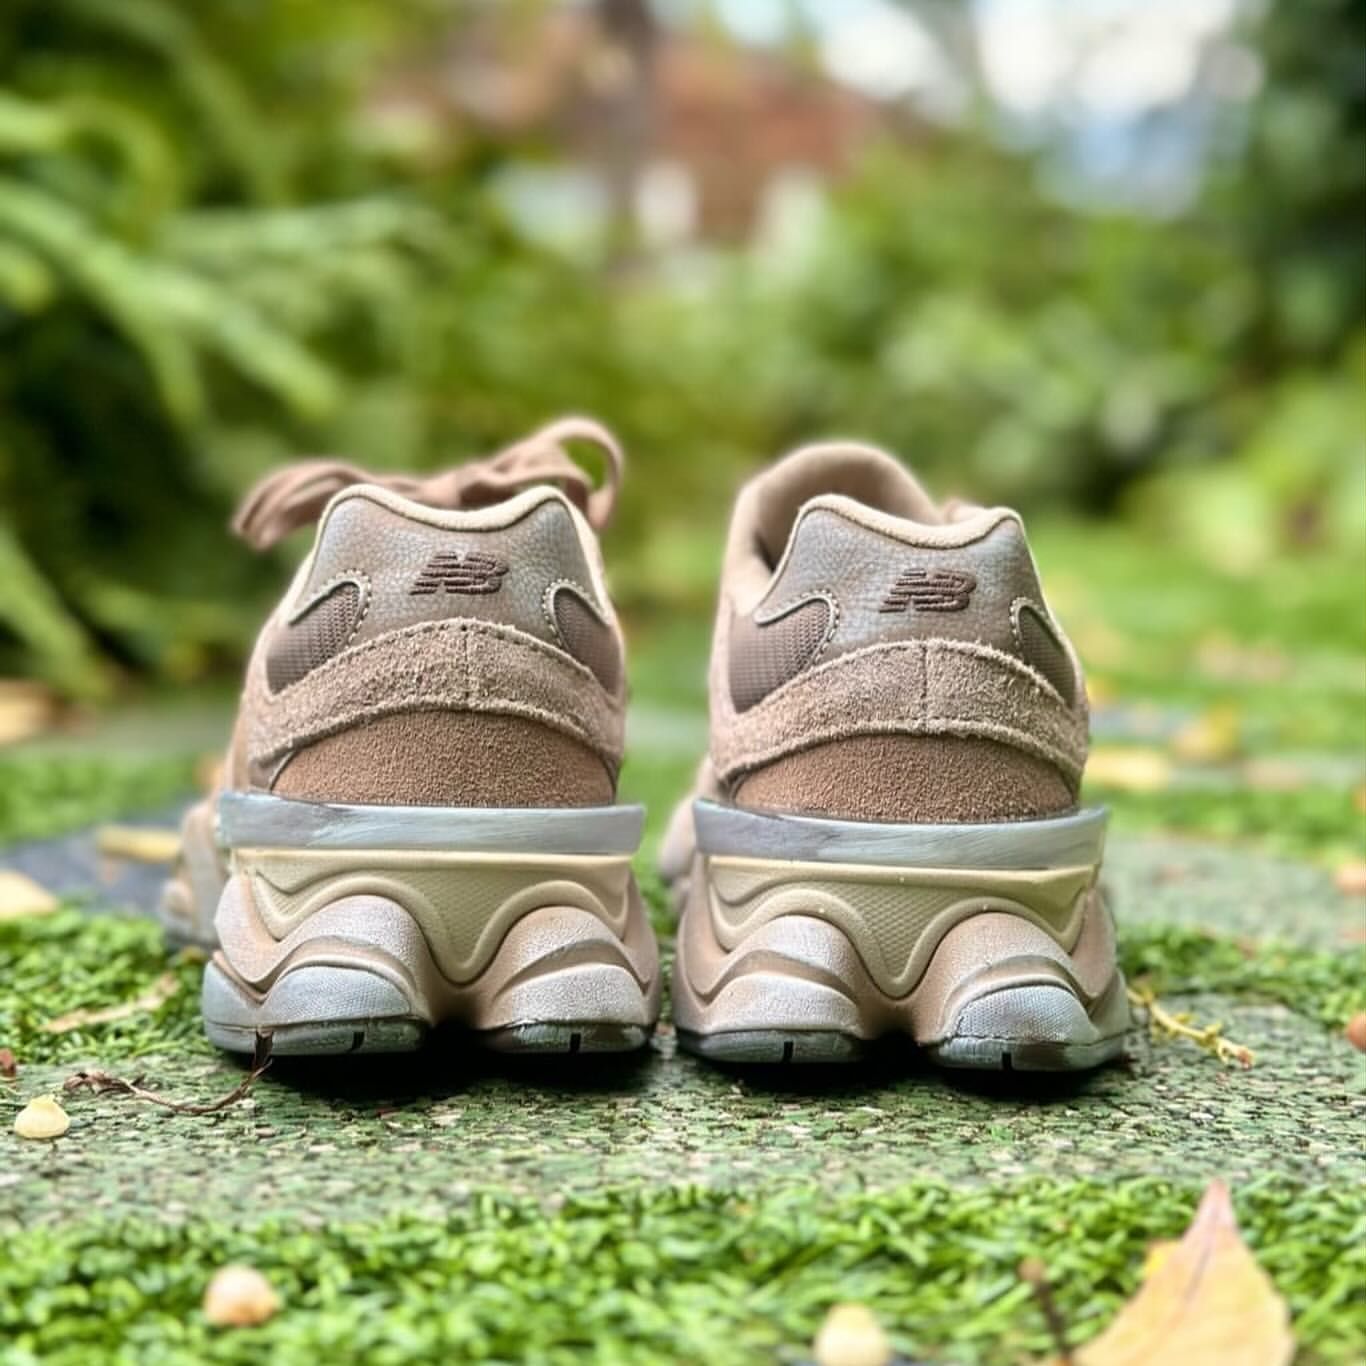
(418, 819)
(886, 837)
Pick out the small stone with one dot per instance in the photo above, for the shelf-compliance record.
(1351, 878)
(42, 1117)
(851, 1336)
(239, 1297)
(1356, 1032)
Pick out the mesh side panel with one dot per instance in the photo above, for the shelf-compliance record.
(322, 632)
(1042, 649)
(590, 641)
(763, 657)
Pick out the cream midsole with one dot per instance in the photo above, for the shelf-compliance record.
(455, 930)
(863, 948)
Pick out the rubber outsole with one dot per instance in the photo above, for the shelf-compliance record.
(774, 1046)
(334, 1037)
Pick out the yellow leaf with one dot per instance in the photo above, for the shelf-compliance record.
(20, 895)
(1213, 737)
(208, 772)
(153, 998)
(1129, 768)
(42, 1117)
(26, 709)
(1100, 692)
(1350, 878)
(1205, 1302)
(142, 844)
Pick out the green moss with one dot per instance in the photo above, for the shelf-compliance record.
(51, 965)
(1328, 987)
(42, 795)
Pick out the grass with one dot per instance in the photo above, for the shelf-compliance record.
(659, 1273)
(50, 965)
(43, 795)
(1327, 987)
(668, 1275)
(1284, 643)
(1323, 824)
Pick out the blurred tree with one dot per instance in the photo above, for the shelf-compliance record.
(241, 228)
(159, 294)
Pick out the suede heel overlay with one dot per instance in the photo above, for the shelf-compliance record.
(916, 779)
(918, 687)
(460, 665)
(444, 758)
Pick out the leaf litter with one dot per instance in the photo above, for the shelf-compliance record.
(153, 998)
(1204, 1301)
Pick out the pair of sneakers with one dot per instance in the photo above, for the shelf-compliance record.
(417, 822)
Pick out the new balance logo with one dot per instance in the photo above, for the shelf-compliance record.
(930, 590)
(469, 571)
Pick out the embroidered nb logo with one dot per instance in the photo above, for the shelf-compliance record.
(930, 590)
(468, 571)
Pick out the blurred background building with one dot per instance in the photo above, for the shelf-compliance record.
(1103, 258)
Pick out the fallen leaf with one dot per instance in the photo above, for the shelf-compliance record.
(9, 1068)
(1100, 692)
(1222, 658)
(20, 895)
(26, 709)
(42, 1117)
(1203, 1302)
(851, 1336)
(153, 998)
(1215, 736)
(208, 772)
(239, 1297)
(1275, 775)
(1130, 768)
(1356, 1032)
(140, 843)
(1350, 878)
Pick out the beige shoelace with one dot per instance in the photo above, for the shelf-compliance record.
(296, 495)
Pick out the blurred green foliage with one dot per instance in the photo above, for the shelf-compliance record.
(209, 262)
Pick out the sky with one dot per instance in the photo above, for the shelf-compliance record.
(1125, 90)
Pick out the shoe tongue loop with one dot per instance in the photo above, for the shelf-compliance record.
(849, 469)
(295, 496)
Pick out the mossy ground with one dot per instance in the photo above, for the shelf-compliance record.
(445, 1207)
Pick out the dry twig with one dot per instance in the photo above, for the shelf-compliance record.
(104, 1082)
(1167, 1024)
(1033, 1273)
